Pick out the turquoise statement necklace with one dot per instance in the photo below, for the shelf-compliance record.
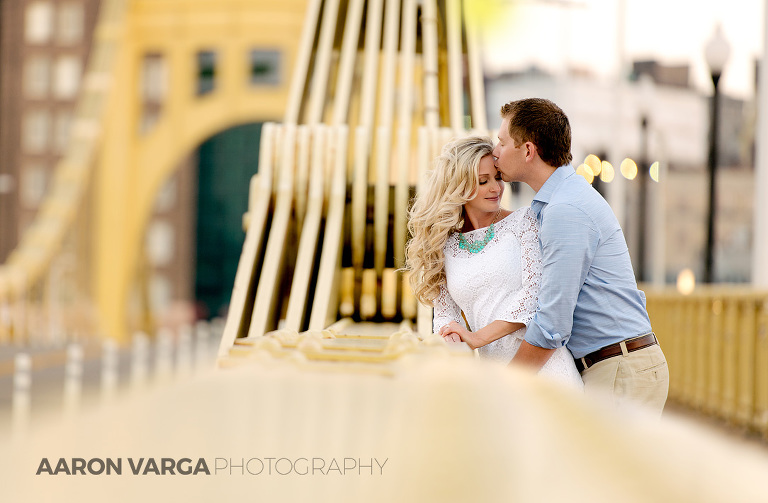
(477, 246)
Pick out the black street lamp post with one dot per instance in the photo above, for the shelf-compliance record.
(646, 91)
(716, 52)
(643, 211)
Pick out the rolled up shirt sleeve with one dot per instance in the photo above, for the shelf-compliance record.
(569, 241)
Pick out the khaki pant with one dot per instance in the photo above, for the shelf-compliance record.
(637, 378)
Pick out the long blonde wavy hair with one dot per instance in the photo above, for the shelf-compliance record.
(438, 211)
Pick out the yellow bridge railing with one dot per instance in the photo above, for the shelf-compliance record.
(716, 343)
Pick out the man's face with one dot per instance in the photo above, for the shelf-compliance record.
(510, 159)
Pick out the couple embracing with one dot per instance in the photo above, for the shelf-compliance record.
(549, 286)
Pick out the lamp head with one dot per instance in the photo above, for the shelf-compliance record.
(716, 51)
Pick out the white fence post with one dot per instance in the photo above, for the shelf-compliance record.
(184, 352)
(163, 355)
(73, 378)
(139, 360)
(109, 369)
(202, 345)
(22, 384)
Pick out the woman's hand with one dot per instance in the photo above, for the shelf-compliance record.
(456, 332)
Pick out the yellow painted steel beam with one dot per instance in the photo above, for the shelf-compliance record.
(306, 256)
(325, 305)
(267, 292)
(246, 276)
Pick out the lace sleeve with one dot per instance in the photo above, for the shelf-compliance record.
(446, 310)
(524, 302)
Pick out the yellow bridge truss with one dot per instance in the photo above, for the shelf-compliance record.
(375, 87)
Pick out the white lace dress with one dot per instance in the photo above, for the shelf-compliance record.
(501, 282)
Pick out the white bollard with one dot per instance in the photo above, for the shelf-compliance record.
(109, 370)
(216, 331)
(73, 379)
(139, 360)
(163, 355)
(184, 352)
(204, 352)
(22, 387)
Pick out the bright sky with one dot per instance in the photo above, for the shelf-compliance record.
(555, 34)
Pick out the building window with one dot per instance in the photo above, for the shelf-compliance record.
(206, 72)
(166, 197)
(149, 118)
(61, 129)
(160, 238)
(71, 22)
(153, 78)
(7, 183)
(265, 67)
(154, 87)
(67, 77)
(34, 182)
(160, 293)
(36, 131)
(37, 77)
(38, 23)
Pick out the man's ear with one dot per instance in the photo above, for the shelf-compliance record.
(530, 151)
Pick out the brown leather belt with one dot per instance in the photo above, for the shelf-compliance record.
(634, 344)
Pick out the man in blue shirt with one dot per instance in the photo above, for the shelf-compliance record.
(589, 300)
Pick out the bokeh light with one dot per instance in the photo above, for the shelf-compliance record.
(594, 164)
(607, 173)
(654, 170)
(586, 172)
(686, 282)
(628, 169)
(485, 13)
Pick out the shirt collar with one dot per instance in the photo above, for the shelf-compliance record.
(546, 191)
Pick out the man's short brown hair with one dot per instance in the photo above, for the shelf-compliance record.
(542, 123)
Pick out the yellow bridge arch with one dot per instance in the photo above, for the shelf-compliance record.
(133, 165)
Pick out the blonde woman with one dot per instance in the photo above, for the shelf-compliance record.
(471, 259)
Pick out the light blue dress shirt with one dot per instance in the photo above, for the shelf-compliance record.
(589, 298)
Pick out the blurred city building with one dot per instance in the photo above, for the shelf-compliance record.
(43, 55)
(195, 234)
(607, 120)
(44, 46)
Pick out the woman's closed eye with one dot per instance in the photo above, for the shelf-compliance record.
(497, 177)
